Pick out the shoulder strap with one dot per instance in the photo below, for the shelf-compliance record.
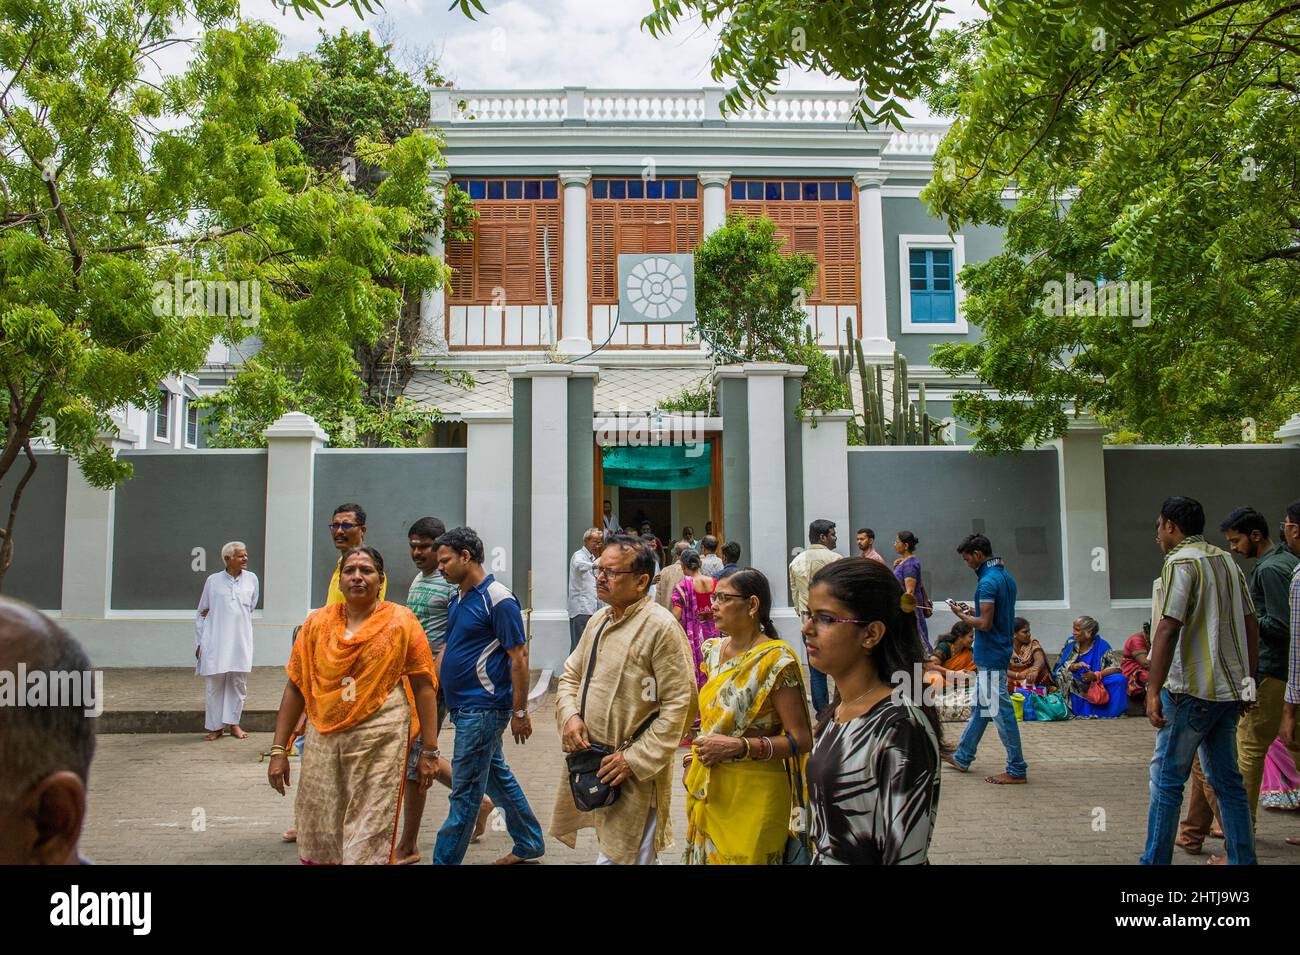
(591, 665)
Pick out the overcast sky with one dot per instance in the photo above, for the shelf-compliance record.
(531, 44)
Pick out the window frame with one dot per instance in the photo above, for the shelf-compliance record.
(190, 408)
(906, 244)
(158, 418)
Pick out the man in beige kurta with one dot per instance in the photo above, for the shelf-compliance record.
(642, 666)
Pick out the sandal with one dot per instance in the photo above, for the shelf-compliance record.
(214, 736)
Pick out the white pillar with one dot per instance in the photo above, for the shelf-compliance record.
(488, 491)
(88, 539)
(433, 304)
(715, 200)
(765, 387)
(1289, 433)
(826, 474)
(573, 308)
(549, 541)
(291, 445)
(871, 254)
(1085, 544)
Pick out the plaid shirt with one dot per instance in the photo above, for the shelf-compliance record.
(1293, 671)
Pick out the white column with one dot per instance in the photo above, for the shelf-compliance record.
(1085, 544)
(871, 254)
(488, 492)
(765, 387)
(573, 309)
(433, 304)
(88, 539)
(291, 445)
(1289, 433)
(715, 200)
(826, 474)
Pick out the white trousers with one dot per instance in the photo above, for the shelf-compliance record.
(225, 700)
(645, 855)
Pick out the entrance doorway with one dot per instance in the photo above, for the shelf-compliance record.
(648, 483)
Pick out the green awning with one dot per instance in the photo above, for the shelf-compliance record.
(667, 467)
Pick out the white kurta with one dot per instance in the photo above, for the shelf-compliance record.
(225, 635)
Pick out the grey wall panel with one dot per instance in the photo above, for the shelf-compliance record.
(909, 216)
(581, 459)
(796, 532)
(733, 405)
(941, 495)
(36, 574)
(175, 503)
(1138, 479)
(395, 487)
(521, 560)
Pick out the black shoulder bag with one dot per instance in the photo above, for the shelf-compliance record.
(588, 791)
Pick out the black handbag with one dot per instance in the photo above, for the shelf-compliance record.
(588, 791)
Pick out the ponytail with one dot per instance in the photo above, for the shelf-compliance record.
(768, 628)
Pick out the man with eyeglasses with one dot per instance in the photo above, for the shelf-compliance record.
(629, 684)
(348, 529)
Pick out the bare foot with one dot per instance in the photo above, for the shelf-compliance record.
(214, 735)
(484, 811)
(238, 733)
(1006, 779)
(406, 856)
(1293, 840)
(1216, 832)
(948, 758)
(1217, 860)
(511, 859)
(289, 835)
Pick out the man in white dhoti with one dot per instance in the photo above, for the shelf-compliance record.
(224, 632)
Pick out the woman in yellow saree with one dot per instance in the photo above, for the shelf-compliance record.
(362, 670)
(753, 720)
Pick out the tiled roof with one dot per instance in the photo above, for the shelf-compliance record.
(630, 389)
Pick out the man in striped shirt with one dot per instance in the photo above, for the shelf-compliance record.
(1204, 654)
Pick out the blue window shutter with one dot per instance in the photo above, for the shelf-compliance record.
(933, 296)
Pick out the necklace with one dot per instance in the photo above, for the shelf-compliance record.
(846, 704)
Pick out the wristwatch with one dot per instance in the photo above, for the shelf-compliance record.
(519, 714)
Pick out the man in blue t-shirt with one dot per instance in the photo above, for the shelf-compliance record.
(993, 619)
(484, 679)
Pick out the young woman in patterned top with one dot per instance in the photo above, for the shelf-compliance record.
(873, 777)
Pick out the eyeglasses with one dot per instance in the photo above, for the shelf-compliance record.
(606, 572)
(344, 526)
(723, 595)
(823, 620)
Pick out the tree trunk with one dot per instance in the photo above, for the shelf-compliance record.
(7, 544)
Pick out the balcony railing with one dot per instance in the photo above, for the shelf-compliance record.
(579, 104)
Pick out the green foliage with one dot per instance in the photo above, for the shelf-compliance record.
(749, 299)
(115, 185)
(1150, 142)
(881, 45)
(697, 399)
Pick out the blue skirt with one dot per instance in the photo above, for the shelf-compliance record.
(1117, 685)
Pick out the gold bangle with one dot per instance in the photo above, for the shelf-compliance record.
(748, 754)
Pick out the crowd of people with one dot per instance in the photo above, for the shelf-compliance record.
(679, 668)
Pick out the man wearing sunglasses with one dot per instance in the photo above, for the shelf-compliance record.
(348, 530)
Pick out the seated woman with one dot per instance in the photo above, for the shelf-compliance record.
(1028, 660)
(1085, 659)
(1136, 662)
(953, 657)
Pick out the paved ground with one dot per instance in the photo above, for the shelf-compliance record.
(171, 798)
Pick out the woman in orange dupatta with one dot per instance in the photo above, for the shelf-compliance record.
(362, 670)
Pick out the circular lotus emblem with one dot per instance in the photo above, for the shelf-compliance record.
(656, 288)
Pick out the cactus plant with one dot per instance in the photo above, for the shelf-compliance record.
(909, 423)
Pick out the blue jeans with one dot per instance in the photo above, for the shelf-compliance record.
(477, 765)
(992, 702)
(821, 694)
(1211, 727)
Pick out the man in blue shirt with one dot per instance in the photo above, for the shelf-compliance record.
(484, 679)
(993, 620)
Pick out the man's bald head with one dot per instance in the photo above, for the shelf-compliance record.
(45, 750)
